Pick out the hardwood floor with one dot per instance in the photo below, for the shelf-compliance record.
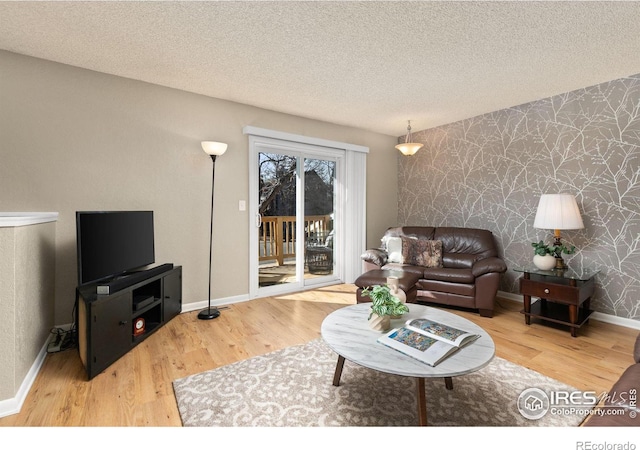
(137, 389)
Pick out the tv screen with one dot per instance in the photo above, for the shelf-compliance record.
(110, 243)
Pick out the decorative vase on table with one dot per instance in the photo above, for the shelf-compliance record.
(546, 262)
(379, 323)
(394, 289)
(384, 305)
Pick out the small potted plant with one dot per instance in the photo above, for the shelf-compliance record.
(545, 256)
(383, 305)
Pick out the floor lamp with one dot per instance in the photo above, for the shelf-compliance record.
(212, 149)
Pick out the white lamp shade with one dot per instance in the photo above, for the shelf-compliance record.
(214, 148)
(558, 212)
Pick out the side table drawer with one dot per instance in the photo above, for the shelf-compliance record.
(551, 291)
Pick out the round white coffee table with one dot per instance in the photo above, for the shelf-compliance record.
(347, 333)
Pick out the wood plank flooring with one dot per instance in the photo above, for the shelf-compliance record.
(137, 389)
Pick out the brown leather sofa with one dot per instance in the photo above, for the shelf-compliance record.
(621, 408)
(464, 270)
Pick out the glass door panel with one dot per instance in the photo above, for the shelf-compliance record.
(319, 213)
(277, 210)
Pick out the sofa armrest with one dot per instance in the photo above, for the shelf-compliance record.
(375, 256)
(488, 265)
(636, 350)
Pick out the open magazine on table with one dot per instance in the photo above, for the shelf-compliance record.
(426, 340)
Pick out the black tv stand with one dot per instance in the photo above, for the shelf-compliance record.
(106, 323)
(115, 284)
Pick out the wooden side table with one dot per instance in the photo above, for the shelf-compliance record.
(564, 296)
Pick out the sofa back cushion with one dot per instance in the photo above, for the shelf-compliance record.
(461, 247)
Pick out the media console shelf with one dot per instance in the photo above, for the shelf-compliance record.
(109, 325)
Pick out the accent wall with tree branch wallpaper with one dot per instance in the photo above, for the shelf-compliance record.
(489, 172)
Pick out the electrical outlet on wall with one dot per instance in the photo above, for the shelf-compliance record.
(242, 205)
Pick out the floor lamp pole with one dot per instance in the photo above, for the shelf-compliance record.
(209, 313)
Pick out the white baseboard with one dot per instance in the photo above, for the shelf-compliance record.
(510, 296)
(615, 320)
(195, 306)
(13, 405)
(601, 317)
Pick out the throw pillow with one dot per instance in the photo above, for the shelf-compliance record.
(422, 252)
(375, 256)
(393, 246)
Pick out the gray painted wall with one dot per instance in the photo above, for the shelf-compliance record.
(489, 172)
(74, 139)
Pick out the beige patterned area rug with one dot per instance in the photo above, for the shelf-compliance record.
(293, 388)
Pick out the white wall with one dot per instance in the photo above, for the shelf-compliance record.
(74, 139)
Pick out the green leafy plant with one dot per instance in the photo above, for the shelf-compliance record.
(540, 248)
(383, 303)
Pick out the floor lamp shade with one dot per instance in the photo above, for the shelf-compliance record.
(212, 149)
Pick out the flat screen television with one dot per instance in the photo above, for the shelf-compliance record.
(112, 243)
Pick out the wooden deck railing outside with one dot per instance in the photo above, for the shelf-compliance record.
(278, 235)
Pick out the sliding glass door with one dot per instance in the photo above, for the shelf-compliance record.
(294, 198)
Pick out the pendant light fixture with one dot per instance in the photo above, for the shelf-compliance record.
(409, 148)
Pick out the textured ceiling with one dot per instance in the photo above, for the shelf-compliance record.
(370, 64)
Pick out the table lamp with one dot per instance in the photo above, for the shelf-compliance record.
(558, 212)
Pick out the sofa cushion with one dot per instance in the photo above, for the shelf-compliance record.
(459, 260)
(626, 384)
(620, 411)
(465, 289)
(406, 280)
(449, 275)
(421, 252)
(614, 417)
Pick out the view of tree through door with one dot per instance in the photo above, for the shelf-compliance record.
(296, 208)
